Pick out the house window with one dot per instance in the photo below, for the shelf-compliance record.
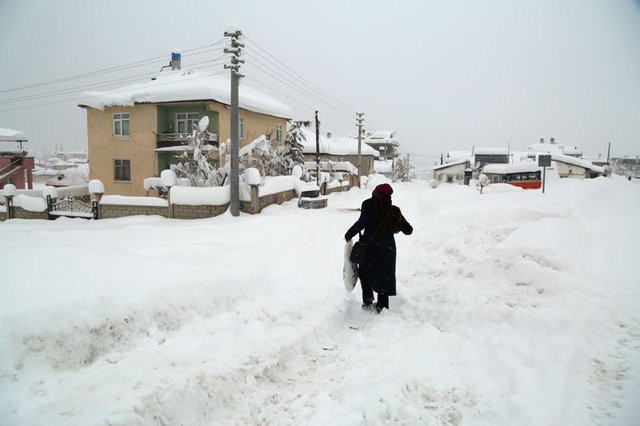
(241, 127)
(122, 170)
(278, 132)
(185, 121)
(449, 178)
(121, 124)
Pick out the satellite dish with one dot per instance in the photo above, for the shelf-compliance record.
(203, 123)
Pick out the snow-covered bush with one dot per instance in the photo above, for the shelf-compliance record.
(196, 162)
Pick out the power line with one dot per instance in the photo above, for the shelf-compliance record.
(302, 79)
(291, 85)
(130, 65)
(297, 82)
(75, 99)
(36, 96)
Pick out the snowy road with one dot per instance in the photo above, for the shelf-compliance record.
(513, 308)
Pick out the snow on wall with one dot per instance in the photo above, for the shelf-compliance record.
(199, 196)
(133, 201)
(31, 204)
(180, 85)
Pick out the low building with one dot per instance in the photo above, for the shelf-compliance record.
(16, 163)
(383, 141)
(341, 149)
(457, 171)
(571, 167)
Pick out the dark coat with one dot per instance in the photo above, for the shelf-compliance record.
(378, 271)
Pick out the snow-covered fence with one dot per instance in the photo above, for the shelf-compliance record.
(184, 202)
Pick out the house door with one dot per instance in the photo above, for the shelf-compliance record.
(467, 177)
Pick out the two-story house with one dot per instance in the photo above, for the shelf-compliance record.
(137, 131)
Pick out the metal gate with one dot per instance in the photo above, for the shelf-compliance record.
(70, 207)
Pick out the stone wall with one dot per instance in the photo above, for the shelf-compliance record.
(20, 213)
(328, 190)
(180, 211)
(110, 211)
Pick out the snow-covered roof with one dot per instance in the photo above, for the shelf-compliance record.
(335, 146)
(491, 151)
(71, 177)
(9, 135)
(451, 163)
(501, 169)
(179, 85)
(577, 162)
(382, 134)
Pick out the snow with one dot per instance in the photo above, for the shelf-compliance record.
(30, 204)
(252, 176)
(96, 186)
(180, 85)
(521, 167)
(10, 135)
(514, 308)
(168, 178)
(198, 196)
(123, 200)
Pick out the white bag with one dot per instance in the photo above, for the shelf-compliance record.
(350, 269)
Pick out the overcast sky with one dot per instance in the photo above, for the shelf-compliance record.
(445, 75)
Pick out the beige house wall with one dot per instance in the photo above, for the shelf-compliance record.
(139, 147)
(255, 124)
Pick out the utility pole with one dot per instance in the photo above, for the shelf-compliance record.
(359, 123)
(317, 150)
(234, 184)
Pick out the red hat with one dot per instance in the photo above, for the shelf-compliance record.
(383, 189)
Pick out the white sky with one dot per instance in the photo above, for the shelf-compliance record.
(444, 75)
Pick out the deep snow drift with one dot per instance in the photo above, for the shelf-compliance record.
(514, 308)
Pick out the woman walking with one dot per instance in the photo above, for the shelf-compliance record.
(380, 220)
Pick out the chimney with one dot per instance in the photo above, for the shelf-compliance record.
(329, 134)
(541, 140)
(175, 61)
(553, 140)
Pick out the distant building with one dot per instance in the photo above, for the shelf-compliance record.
(16, 163)
(571, 167)
(457, 171)
(340, 149)
(626, 166)
(384, 142)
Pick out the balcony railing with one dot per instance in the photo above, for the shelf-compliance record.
(165, 140)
